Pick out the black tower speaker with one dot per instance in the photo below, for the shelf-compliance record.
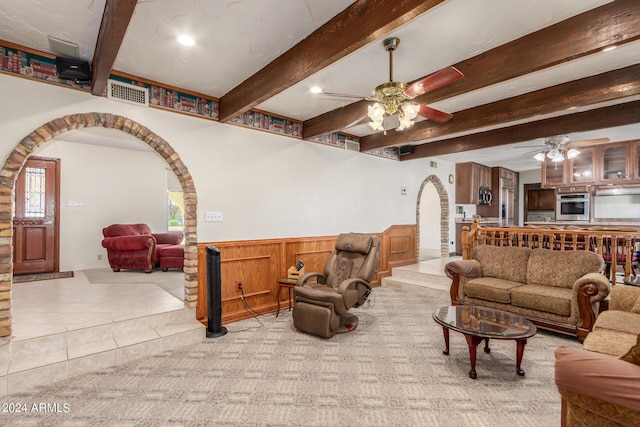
(214, 294)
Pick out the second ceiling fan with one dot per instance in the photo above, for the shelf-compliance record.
(394, 98)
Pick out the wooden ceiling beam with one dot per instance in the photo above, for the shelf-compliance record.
(581, 35)
(609, 86)
(358, 25)
(115, 20)
(599, 118)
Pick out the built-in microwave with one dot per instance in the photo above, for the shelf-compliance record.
(572, 207)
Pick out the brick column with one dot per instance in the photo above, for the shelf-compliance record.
(16, 159)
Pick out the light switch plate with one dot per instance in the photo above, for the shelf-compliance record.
(213, 216)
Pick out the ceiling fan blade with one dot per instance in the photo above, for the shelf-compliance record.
(434, 115)
(359, 121)
(344, 95)
(589, 142)
(433, 81)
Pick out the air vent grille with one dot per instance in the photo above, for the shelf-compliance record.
(352, 145)
(128, 93)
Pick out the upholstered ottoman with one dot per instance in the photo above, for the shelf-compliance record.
(171, 256)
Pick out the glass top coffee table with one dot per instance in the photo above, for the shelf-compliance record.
(478, 323)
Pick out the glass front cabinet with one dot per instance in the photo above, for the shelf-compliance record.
(581, 168)
(614, 162)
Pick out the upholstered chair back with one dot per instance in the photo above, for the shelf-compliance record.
(126, 230)
(355, 256)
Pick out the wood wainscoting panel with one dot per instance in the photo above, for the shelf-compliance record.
(312, 251)
(258, 264)
(399, 248)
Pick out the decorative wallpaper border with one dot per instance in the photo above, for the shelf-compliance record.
(270, 123)
(336, 139)
(34, 66)
(174, 100)
(43, 67)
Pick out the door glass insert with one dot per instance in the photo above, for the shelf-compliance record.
(35, 196)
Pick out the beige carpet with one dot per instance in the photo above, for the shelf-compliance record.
(389, 372)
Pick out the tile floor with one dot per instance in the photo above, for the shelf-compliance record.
(432, 266)
(67, 327)
(48, 307)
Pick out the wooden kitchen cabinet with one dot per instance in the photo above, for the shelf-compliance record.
(541, 200)
(582, 168)
(635, 160)
(553, 173)
(614, 162)
(469, 178)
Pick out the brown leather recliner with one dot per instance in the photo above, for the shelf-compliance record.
(321, 308)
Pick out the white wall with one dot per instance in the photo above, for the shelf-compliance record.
(430, 221)
(113, 186)
(266, 186)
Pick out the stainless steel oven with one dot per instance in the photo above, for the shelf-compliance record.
(572, 207)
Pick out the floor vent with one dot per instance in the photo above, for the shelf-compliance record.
(352, 145)
(128, 93)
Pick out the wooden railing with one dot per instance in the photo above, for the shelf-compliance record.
(616, 245)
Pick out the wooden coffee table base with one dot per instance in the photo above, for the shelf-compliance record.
(474, 340)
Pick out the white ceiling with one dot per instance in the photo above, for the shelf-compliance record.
(236, 38)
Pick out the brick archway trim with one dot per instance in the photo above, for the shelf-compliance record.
(444, 215)
(16, 160)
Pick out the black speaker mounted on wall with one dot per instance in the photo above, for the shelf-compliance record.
(405, 149)
(73, 69)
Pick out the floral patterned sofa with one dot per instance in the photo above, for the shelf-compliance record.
(557, 290)
(600, 383)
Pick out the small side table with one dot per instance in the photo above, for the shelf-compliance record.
(288, 284)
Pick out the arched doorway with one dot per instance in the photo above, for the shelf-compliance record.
(56, 127)
(444, 214)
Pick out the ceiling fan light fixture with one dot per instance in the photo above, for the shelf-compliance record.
(539, 157)
(572, 153)
(410, 110)
(555, 155)
(405, 123)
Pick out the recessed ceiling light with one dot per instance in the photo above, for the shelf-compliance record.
(315, 89)
(186, 40)
(608, 48)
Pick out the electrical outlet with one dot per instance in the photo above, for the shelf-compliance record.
(99, 257)
(239, 285)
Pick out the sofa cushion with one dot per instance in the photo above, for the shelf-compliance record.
(609, 342)
(561, 268)
(543, 298)
(618, 321)
(633, 355)
(490, 288)
(508, 263)
(598, 375)
(624, 298)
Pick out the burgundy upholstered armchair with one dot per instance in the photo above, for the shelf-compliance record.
(134, 246)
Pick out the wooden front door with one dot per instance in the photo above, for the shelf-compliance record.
(35, 222)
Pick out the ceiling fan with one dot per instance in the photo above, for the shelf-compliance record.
(560, 147)
(394, 98)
